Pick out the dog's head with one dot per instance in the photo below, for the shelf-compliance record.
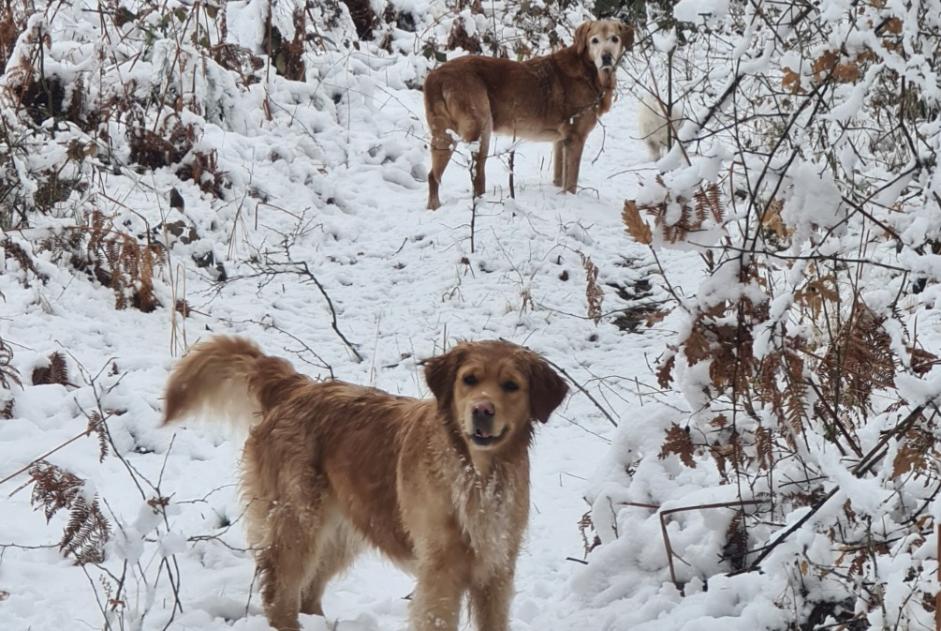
(492, 391)
(603, 42)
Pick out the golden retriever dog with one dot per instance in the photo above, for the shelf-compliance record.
(440, 486)
(557, 98)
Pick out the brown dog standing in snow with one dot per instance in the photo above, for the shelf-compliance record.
(557, 98)
(440, 486)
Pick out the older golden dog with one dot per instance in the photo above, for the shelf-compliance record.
(557, 98)
(440, 486)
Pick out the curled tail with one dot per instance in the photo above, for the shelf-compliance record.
(227, 377)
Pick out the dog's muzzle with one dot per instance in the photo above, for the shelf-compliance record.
(482, 415)
(607, 60)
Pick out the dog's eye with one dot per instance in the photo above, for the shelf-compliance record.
(615, 39)
(470, 380)
(510, 386)
(594, 40)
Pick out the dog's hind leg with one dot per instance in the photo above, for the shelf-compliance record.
(480, 157)
(283, 563)
(284, 517)
(442, 146)
(475, 126)
(339, 547)
(469, 107)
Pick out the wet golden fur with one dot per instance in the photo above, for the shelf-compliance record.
(330, 468)
(557, 98)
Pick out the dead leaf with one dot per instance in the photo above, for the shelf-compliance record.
(635, 226)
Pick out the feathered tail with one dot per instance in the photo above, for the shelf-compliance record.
(228, 377)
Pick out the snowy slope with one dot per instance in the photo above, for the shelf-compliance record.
(338, 187)
(277, 186)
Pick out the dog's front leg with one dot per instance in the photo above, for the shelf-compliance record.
(436, 605)
(558, 162)
(573, 158)
(490, 601)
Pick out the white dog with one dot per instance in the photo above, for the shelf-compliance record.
(652, 123)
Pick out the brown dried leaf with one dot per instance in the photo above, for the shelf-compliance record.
(847, 72)
(913, 453)
(773, 222)
(679, 442)
(894, 26)
(824, 63)
(791, 81)
(696, 348)
(635, 226)
(665, 372)
(720, 421)
(718, 454)
(922, 361)
(656, 316)
(815, 295)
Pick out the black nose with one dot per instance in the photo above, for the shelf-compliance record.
(606, 59)
(482, 416)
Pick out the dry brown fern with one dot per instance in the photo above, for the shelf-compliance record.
(118, 260)
(763, 447)
(56, 372)
(634, 224)
(858, 361)
(8, 378)
(99, 426)
(87, 531)
(594, 295)
(14, 250)
(795, 396)
(735, 550)
(693, 214)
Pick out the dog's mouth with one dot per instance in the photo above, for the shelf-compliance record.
(482, 438)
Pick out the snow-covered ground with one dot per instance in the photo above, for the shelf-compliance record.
(338, 186)
(292, 212)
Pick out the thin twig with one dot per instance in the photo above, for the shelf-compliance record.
(584, 390)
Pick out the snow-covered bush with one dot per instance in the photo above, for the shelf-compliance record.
(805, 174)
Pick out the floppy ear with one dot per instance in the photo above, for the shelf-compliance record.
(546, 389)
(627, 36)
(581, 37)
(440, 373)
